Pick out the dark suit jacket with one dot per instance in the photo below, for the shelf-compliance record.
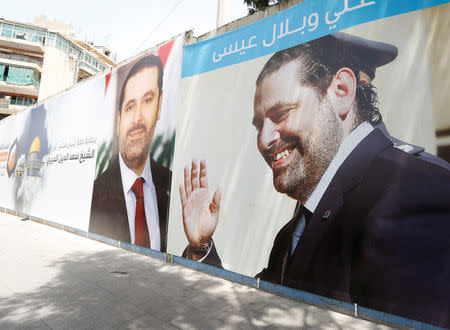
(385, 245)
(108, 210)
(412, 149)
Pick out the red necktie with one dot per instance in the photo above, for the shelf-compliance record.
(141, 236)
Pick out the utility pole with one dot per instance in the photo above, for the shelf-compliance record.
(223, 12)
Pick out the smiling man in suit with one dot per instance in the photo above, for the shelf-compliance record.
(131, 198)
(373, 222)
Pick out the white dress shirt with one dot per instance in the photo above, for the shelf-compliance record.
(150, 202)
(348, 144)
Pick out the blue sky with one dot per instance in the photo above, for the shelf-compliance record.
(124, 25)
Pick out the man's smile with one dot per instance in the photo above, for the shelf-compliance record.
(281, 157)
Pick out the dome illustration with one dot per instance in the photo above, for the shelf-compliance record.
(33, 164)
(20, 166)
(36, 145)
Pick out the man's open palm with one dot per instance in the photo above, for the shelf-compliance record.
(200, 215)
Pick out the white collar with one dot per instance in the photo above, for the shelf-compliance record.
(129, 177)
(348, 144)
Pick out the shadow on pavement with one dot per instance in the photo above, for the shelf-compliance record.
(119, 289)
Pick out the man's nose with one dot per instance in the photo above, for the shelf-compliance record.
(269, 134)
(137, 114)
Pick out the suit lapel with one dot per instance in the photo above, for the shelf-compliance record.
(349, 175)
(162, 187)
(314, 231)
(285, 240)
(117, 192)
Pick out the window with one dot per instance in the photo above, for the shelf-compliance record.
(19, 32)
(36, 79)
(50, 41)
(20, 76)
(75, 52)
(88, 59)
(2, 72)
(58, 42)
(7, 30)
(22, 100)
(29, 34)
(65, 46)
(40, 36)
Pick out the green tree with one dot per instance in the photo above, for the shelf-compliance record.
(255, 5)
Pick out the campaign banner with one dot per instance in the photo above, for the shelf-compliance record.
(131, 191)
(52, 154)
(290, 158)
(51, 151)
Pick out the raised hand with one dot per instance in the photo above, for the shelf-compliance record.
(200, 215)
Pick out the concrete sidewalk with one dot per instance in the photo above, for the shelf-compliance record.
(58, 280)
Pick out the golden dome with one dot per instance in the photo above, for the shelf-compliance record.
(36, 145)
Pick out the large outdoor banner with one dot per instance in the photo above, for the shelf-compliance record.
(51, 155)
(303, 153)
(290, 161)
(131, 193)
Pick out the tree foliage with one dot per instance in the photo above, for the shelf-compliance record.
(255, 5)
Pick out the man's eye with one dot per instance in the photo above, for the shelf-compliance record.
(130, 107)
(279, 116)
(148, 100)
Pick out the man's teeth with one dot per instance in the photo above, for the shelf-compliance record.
(282, 154)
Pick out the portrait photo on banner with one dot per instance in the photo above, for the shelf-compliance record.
(305, 179)
(131, 194)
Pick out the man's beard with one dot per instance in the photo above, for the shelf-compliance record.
(135, 151)
(314, 156)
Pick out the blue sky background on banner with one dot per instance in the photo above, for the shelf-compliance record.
(306, 21)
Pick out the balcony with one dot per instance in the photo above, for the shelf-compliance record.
(88, 70)
(7, 108)
(21, 45)
(9, 88)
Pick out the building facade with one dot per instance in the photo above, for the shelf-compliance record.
(37, 62)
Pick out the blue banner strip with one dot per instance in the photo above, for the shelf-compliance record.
(306, 21)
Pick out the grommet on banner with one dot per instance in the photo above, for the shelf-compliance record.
(257, 282)
(356, 310)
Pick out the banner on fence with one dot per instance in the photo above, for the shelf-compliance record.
(282, 173)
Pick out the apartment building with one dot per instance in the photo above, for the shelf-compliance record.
(37, 62)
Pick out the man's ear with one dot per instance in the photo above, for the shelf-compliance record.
(118, 122)
(342, 92)
(159, 105)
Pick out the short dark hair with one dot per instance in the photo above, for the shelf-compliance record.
(320, 59)
(145, 62)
